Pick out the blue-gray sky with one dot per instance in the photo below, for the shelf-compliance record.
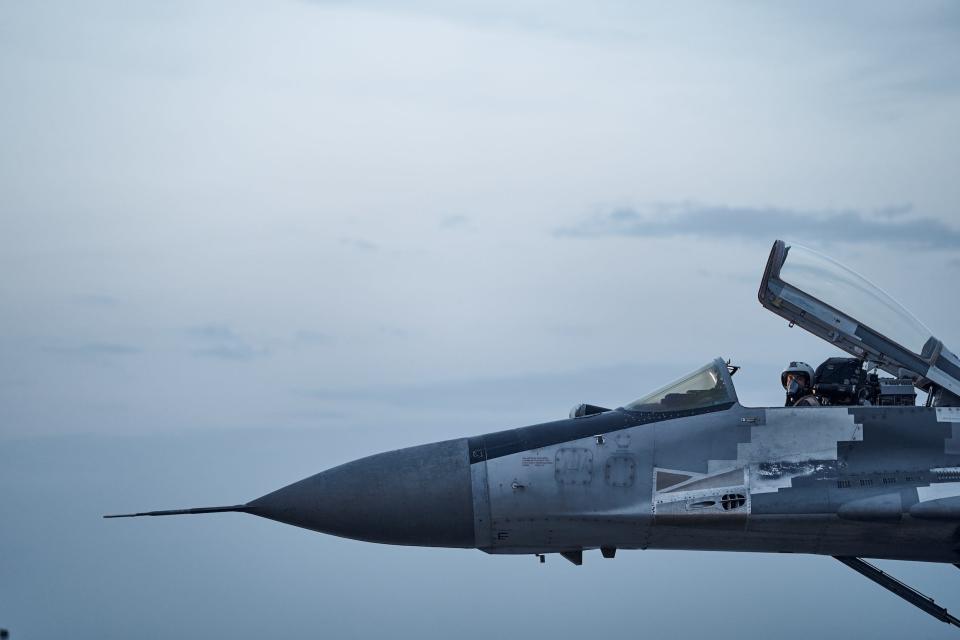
(242, 242)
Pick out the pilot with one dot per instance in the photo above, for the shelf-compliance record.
(797, 381)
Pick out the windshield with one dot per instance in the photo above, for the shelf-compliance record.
(706, 387)
(852, 294)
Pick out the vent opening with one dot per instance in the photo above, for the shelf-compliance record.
(731, 501)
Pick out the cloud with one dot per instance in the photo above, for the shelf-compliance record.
(395, 332)
(896, 211)
(309, 337)
(892, 226)
(95, 300)
(359, 243)
(220, 341)
(454, 222)
(95, 349)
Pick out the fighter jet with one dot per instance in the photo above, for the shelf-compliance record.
(862, 472)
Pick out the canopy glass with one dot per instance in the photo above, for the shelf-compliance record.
(853, 295)
(708, 386)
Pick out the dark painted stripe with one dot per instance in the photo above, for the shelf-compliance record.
(505, 443)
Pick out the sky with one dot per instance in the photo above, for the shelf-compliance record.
(244, 242)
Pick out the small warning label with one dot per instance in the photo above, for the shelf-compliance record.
(536, 461)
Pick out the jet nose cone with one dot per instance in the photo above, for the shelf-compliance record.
(418, 496)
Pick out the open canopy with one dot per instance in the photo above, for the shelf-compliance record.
(707, 387)
(844, 308)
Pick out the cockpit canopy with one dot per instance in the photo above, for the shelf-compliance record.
(707, 387)
(844, 308)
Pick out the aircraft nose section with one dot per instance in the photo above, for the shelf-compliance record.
(418, 496)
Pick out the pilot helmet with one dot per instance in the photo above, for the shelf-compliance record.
(797, 367)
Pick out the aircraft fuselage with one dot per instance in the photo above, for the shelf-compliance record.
(880, 482)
